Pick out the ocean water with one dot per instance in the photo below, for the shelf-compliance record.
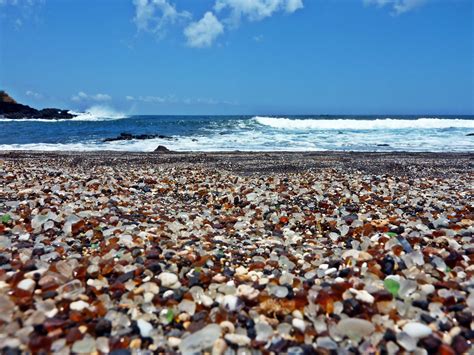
(244, 133)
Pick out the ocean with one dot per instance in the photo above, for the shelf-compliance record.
(243, 133)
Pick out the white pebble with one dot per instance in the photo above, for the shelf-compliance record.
(168, 279)
(417, 330)
(238, 339)
(78, 306)
(26, 285)
(145, 328)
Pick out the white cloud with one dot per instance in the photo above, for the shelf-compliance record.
(293, 5)
(258, 38)
(155, 15)
(203, 32)
(34, 95)
(398, 6)
(256, 10)
(82, 96)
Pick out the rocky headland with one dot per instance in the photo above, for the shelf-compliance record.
(9, 108)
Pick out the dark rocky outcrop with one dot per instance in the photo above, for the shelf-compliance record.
(469, 134)
(129, 137)
(9, 108)
(162, 149)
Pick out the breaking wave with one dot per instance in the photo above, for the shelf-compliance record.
(353, 124)
(98, 113)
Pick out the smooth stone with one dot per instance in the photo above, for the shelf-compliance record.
(264, 331)
(84, 346)
(168, 279)
(238, 339)
(219, 347)
(26, 285)
(102, 344)
(299, 324)
(278, 291)
(145, 328)
(417, 330)
(174, 342)
(362, 295)
(247, 291)
(187, 306)
(326, 343)
(230, 302)
(78, 306)
(406, 341)
(200, 340)
(356, 254)
(355, 327)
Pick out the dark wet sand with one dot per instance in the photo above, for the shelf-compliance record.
(250, 163)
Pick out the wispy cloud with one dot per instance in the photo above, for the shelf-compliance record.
(171, 99)
(203, 32)
(82, 96)
(24, 11)
(152, 99)
(33, 94)
(156, 15)
(398, 6)
(21, 2)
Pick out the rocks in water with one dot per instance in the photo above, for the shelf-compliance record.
(128, 137)
(9, 108)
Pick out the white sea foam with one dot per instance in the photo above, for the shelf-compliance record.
(98, 113)
(95, 113)
(277, 140)
(352, 124)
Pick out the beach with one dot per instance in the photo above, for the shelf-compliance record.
(298, 253)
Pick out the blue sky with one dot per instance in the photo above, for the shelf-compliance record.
(240, 56)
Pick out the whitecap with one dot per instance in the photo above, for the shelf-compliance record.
(353, 124)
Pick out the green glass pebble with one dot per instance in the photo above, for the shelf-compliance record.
(392, 286)
(170, 315)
